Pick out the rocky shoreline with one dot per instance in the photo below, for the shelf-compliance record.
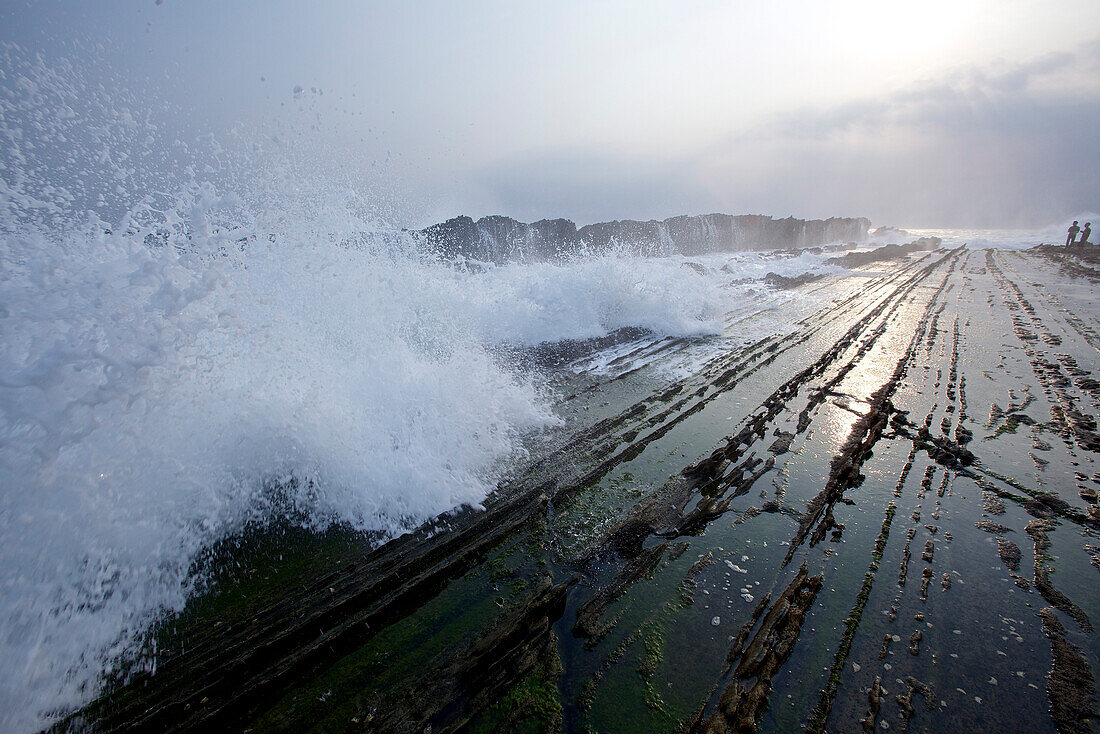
(935, 419)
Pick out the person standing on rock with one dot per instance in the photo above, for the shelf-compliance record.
(1073, 230)
(1085, 234)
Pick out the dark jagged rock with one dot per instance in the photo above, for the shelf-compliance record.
(1039, 530)
(741, 703)
(874, 698)
(886, 252)
(689, 583)
(925, 580)
(906, 554)
(782, 444)
(783, 283)
(905, 702)
(992, 527)
(501, 239)
(738, 647)
(1045, 505)
(1071, 686)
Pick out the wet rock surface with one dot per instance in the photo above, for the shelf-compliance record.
(838, 527)
(886, 252)
(874, 697)
(740, 704)
(784, 282)
(1071, 686)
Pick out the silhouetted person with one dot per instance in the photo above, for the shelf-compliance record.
(1085, 233)
(1073, 230)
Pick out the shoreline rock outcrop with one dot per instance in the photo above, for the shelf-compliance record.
(500, 239)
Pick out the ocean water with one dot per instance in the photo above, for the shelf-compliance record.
(1006, 239)
(195, 341)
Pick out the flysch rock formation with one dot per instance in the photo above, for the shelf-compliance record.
(695, 553)
(500, 239)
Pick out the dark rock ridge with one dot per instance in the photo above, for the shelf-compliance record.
(501, 239)
(886, 252)
(783, 283)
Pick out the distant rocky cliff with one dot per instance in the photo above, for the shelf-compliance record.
(503, 239)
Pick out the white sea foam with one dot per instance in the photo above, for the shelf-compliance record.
(150, 393)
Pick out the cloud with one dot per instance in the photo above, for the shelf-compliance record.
(1011, 145)
(959, 100)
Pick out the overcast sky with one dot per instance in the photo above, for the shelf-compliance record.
(959, 113)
